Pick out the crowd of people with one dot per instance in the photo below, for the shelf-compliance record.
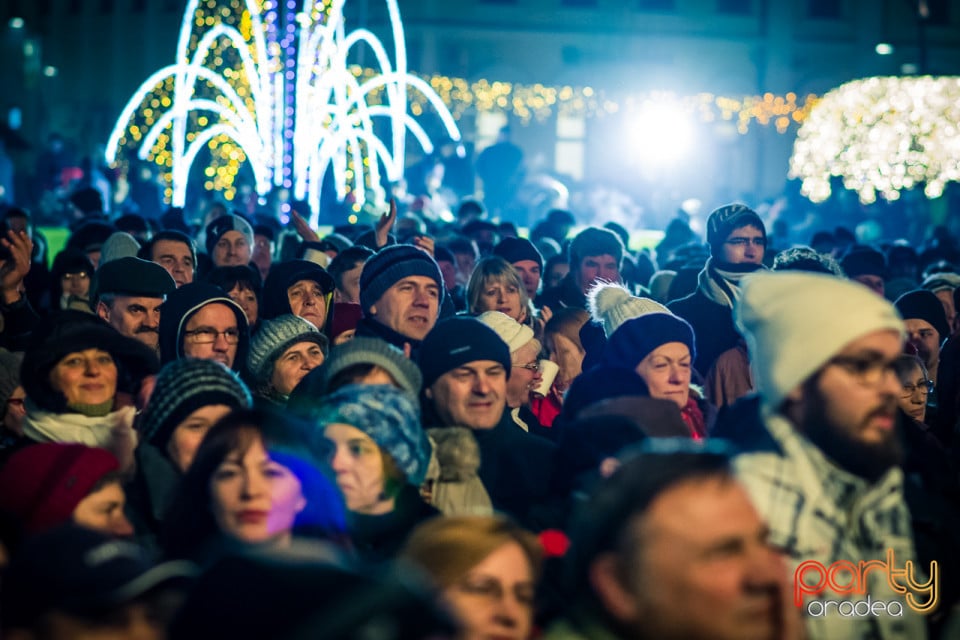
(421, 429)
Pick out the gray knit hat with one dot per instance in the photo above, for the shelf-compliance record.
(119, 245)
(363, 350)
(182, 387)
(276, 336)
(390, 265)
(391, 419)
(224, 223)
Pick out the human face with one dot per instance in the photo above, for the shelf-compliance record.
(945, 297)
(135, 317)
(523, 379)
(874, 283)
(232, 249)
(409, 307)
(76, 284)
(502, 296)
(214, 317)
(472, 395)
(358, 464)
(591, 269)
(529, 272)
(703, 568)
(495, 598)
(568, 356)
(86, 377)
(188, 435)
(465, 264)
(913, 399)
(744, 245)
(349, 290)
(293, 364)
(449, 272)
(925, 339)
(307, 301)
(102, 511)
(247, 299)
(176, 258)
(262, 254)
(666, 370)
(556, 274)
(255, 499)
(15, 411)
(849, 408)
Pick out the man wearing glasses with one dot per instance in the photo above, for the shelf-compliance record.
(823, 451)
(738, 241)
(199, 320)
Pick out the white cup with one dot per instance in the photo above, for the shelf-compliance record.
(548, 371)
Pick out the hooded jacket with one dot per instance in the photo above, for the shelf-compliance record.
(284, 275)
(181, 305)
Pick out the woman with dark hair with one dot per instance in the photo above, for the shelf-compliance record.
(302, 288)
(80, 376)
(255, 480)
(70, 281)
(242, 285)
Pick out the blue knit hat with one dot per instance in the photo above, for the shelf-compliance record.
(636, 338)
(391, 419)
(390, 265)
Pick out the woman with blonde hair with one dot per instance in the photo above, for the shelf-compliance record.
(496, 286)
(486, 569)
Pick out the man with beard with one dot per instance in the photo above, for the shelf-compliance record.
(129, 292)
(822, 454)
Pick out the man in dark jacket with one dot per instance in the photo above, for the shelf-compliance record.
(595, 255)
(199, 320)
(401, 290)
(465, 367)
(737, 241)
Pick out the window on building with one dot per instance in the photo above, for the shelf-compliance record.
(824, 9)
(571, 149)
(734, 7)
(656, 5)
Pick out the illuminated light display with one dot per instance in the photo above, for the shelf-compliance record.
(257, 81)
(881, 136)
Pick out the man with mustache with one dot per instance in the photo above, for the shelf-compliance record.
(129, 292)
(822, 448)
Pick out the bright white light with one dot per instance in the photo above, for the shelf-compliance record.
(661, 134)
(884, 49)
(16, 23)
(331, 125)
(49, 71)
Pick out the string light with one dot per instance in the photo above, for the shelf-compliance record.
(257, 82)
(881, 136)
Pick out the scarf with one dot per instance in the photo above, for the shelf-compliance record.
(45, 426)
(693, 417)
(720, 281)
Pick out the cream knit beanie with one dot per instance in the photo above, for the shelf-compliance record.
(795, 321)
(516, 335)
(612, 304)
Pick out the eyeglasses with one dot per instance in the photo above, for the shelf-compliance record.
(209, 335)
(867, 371)
(925, 388)
(80, 275)
(530, 366)
(742, 242)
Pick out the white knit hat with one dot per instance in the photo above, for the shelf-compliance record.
(795, 321)
(516, 335)
(612, 304)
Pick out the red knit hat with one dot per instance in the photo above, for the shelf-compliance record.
(43, 483)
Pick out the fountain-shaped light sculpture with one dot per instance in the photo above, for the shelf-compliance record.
(259, 81)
